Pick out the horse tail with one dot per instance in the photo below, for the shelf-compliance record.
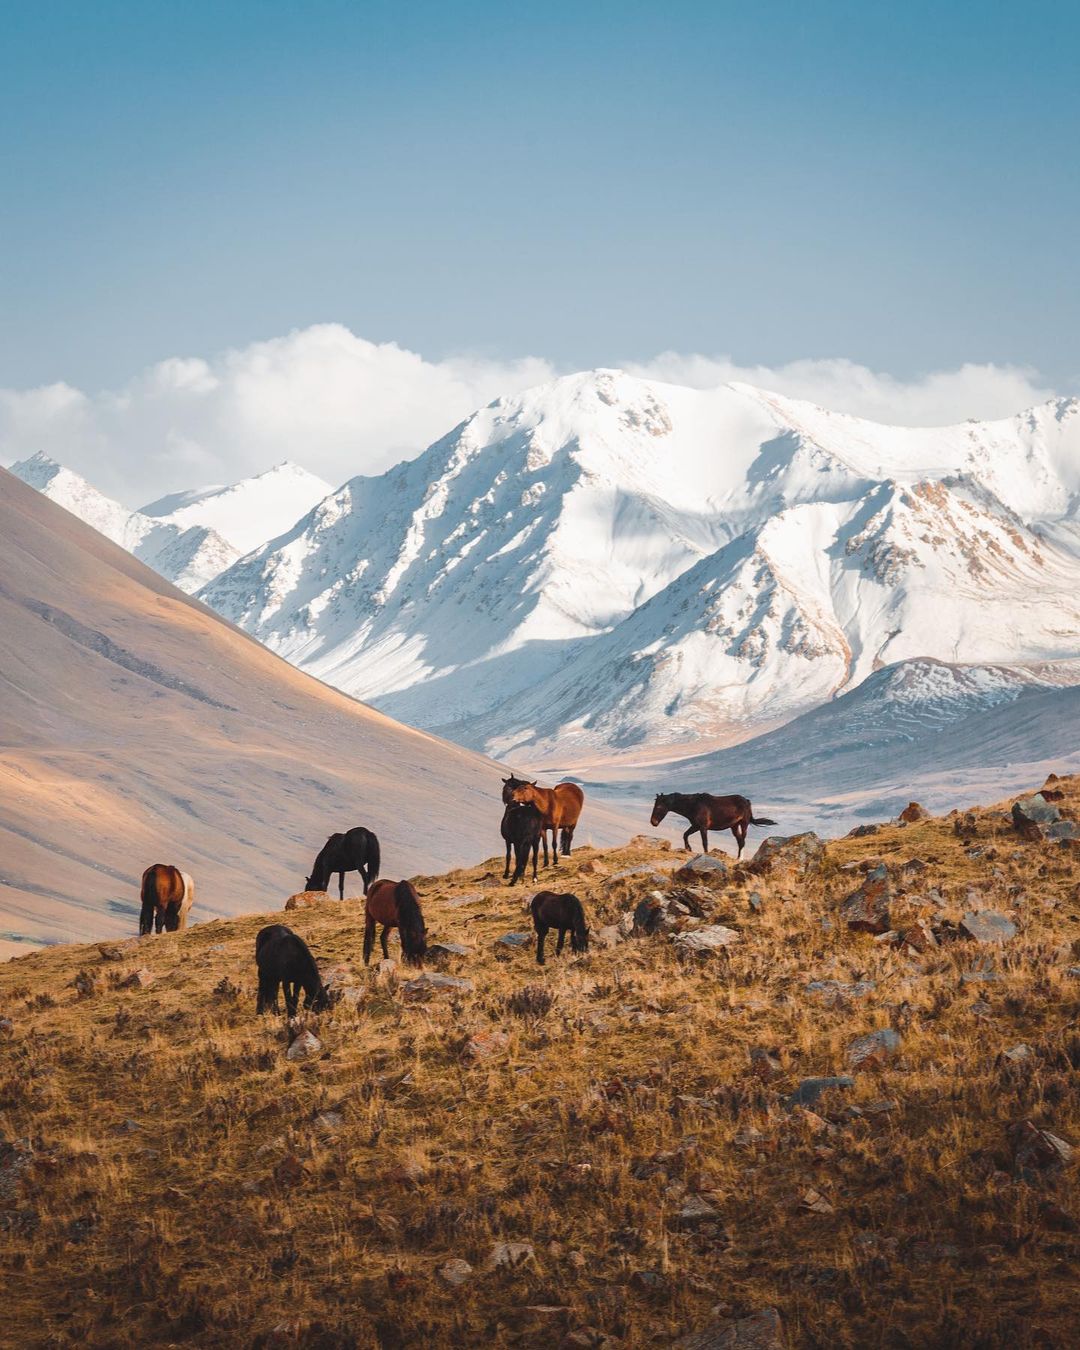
(374, 857)
(188, 898)
(410, 922)
(761, 820)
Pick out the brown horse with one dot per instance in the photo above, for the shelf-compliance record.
(395, 904)
(564, 913)
(708, 813)
(167, 895)
(559, 806)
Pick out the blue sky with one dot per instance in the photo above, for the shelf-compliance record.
(592, 183)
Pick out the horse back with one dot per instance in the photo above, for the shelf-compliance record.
(570, 799)
(725, 811)
(380, 903)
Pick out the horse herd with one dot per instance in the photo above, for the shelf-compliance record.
(530, 814)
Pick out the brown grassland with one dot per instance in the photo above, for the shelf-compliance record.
(168, 1177)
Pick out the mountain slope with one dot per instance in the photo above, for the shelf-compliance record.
(137, 726)
(185, 554)
(246, 513)
(604, 562)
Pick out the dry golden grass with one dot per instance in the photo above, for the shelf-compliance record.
(184, 1189)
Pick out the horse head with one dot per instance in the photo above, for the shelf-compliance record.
(509, 786)
(660, 808)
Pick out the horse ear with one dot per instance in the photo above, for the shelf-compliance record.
(533, 783)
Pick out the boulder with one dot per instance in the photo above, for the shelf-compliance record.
(1063, 829)
(704, 867)
(986, 925)
(1038, 809)
(431, 983)
(455, 1272)
(913, 812)
(919, 937)
(873, 1049)
(802, 854)
(866, 910)
(862, 831)
(1037, 1149)
(761, 1331)
(305, 899)
(657, 913)
(304, 1046)
(713, 938)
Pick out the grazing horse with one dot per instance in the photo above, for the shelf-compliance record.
(357, 851)
(395, 905)
(563, 912)
(560, 807)
(283, 958)
(167, 895)
(523, 827)
(708, 813)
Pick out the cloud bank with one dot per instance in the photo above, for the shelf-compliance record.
(341, 405)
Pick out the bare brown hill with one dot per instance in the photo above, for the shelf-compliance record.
(136, 726)
(825, 1099)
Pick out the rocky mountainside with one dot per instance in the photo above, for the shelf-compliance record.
(822, 1098)
(604, 564)
(138, 727)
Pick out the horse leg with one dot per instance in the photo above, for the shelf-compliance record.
(568, 840)
(262, 1003)
(292, 996)
(739, 831)
(535, 853)
(686, 837)
(704, 839)
(369, 938)
(559, 944)
(385, 935)
(146, 920)
(555, 846)
(341, 885)
(543, 840)
(541, 934)
(506, 869)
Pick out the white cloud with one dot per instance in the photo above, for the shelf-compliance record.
(340, 405)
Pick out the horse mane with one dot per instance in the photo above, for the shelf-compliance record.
(310, 979)
(577, 914)
(410, 921)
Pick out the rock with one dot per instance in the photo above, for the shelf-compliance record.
(694, 1210)
(835, 991)
(289, 1172)
(703, 866)
(1038, 809)
(1017, 1054)
(509, 1255)
(514, 940)
(657, 913)
(115, 951)
(455, 1272)
(755, 901)
(875, 1048)
(461, 901)
(586, 1338)
(802, 854)
(16, 1159)
(913, 812)
(7, 1026)
(987, 926)
(713, 938)
(327, 1123)
(765, 1064)
(646, 870)
(866, 910)
(304, 1046)
(138, 979)
(919, 937)
(1037, 1149)
(306, 899)
(1063, 829)
(442, 951)
(424, 986)
(86, 984)
(609, 936)
(810, 1089)
(385, 968)
(815, 1202)
(485, 1044)
(862, 831)
(762, 1331)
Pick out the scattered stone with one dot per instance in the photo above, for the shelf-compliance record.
(306, 899)
(1063, 829)
(7, 1026)
(385, 968)
(881, 1107)
(609, 936)
(455, 1272)
(514, 940)
(919, 937)
(713, 938)
(442, 951)
(586, 1338)
(803, 854)
(289, 1172)
(755, 901)
(914, 812)
(509, 1255)
(703, 865)
(305, 1046)
(987, 926)
(485, 1044)
(138, 979)
(810, 1089)
(424, 986)
(862, 831)
(15, 1160)
(646, 870)
(873, 1049)
(694, 1210)
(653, 841)
(1037, 1149)
(86, 984)
(762, 1331)
(835, 991)
(115, 951)
(328, 1123)
(815, 1202)
(866, 910)
(657, 913)
(461, 901)
(1017, 1054)
(1038, 809)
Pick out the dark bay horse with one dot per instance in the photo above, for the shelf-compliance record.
(523, 828)
(356, 851)
(283, 958)
(395, 904)
(563, 912)
(560, 807)
(167, 895)
(708, 813)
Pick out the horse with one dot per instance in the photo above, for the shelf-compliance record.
(708, 813)
(283, 958)
(395, 905)
(523, 827)
(563, 912)
(560, 807)
(357, 851)
(167, 895)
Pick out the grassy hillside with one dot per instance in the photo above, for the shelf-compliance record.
(168, 1176)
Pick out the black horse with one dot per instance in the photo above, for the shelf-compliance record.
(563, 912)
(283, 958)
(523, 830)
(357, 851)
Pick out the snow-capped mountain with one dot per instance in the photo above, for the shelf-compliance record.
(249, 512)
(188, 555)
(605, 562)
